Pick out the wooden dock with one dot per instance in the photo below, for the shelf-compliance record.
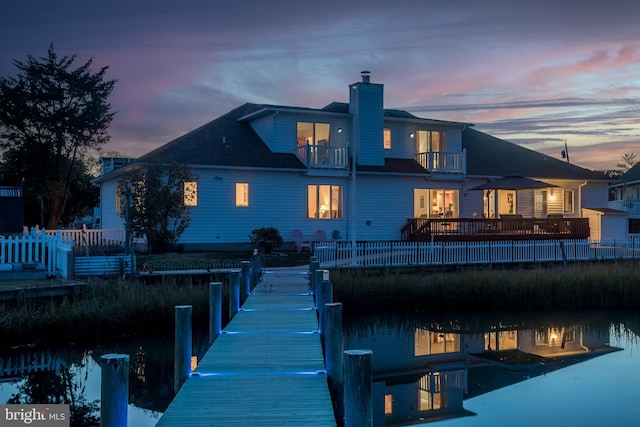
(266, 368)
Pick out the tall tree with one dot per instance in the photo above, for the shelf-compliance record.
(157, 200)
(51, 115)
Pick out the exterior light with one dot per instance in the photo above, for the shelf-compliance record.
(411, 135)
(339, 130)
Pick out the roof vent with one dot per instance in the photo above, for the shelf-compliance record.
(366, 76)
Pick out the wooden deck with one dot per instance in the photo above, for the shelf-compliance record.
(266, 368)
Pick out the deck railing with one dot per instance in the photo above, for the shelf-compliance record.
(403, 254)
(443, 162)
(323, 156)
(466, 229)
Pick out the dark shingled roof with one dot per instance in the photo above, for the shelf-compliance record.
(632, 175)
(224, 141)
(491, 156)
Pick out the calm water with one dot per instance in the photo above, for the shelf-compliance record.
(561, 369)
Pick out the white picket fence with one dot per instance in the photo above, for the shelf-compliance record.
(35, 249)
(402, 254)
(51, 251)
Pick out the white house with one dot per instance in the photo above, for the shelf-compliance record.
(625, 196)
(355, 170)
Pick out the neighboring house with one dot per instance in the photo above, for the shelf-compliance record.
(625, 196)
(355, 170)
(11, 210)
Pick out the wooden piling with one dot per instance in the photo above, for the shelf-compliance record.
(215, 310)
(326, 297)
(334, 354)
(313, 266)
(358, 397)
(245, 279)
(255, 269)
(234, 293)
(114, 390)
(183, 346)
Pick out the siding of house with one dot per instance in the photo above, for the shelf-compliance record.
(366, 104)
(110, 216)
(266, 128)
(594, 195)
(276, 199)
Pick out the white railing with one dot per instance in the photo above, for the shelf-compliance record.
(401, 253)
(443, 162)
(90, 237)
(630, 206)
(323, 156)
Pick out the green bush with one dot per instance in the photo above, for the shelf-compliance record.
(266, 238)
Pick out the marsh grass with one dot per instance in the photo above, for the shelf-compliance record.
(593, 286)
(105, 308)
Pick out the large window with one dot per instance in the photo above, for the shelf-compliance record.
(190, 193)
(314, 133)
(432, 203)
(324, 201)
(242, 194)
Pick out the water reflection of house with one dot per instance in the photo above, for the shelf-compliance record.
(424, 373)
(418, 374)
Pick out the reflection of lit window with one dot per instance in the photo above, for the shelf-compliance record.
(388, 404)
(190, 189)
(194, 362)
(430, 393)
(429, 342)
(242, 194)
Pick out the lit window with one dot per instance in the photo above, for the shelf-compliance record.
(324, 201)
(568, 201)
(242, 194)
(388, 404)
(314, 133)
(387, 138)
(190, 193)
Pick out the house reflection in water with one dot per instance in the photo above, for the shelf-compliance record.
(423, 372)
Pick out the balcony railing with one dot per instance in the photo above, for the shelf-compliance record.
(459, 229)
(323, 156)
(630, 206)
(443, 162)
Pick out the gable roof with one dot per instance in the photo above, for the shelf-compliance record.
(491, 156)
(632, 175)
(225, 141)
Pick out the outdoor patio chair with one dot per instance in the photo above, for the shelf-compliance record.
(321, 236)
(299, 241)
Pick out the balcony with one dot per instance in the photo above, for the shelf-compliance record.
(632, 207)
(323, 156)
(443, 162)
(469, 230)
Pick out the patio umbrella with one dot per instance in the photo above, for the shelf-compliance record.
(513, 182)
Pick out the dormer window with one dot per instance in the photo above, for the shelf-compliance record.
(314, 133)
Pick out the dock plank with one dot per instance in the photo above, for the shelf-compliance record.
(266, 368)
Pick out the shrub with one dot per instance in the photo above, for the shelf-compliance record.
(266, 238)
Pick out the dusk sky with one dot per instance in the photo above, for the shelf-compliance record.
(534, 73)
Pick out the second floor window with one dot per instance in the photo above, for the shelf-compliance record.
(314, 133)
(387, 138)
(429, 140)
